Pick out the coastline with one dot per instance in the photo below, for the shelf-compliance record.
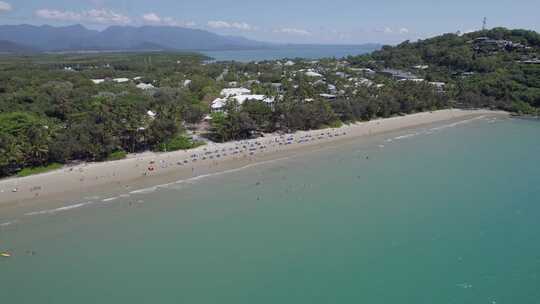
(156, 168)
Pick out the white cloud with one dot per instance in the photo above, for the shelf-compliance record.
(58, 15)
(218, 24)
(389, 30)
(230, 25)
(293, 31)
(152, 17)
(403, 30)
(101, 16)
(5, 7)
(155, 19)
(104, 16)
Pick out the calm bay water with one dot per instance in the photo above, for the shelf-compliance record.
(444, 215)
(305, 51)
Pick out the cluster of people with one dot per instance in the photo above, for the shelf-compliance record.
(245, 148)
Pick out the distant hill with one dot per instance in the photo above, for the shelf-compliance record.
(8, 47)
(491, 68)
(479, 51)
(77, 38)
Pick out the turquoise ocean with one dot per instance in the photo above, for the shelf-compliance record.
(440, 214)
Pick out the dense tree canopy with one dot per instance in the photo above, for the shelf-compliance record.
(65, 108)
(489, 65)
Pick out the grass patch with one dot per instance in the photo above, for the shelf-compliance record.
(117, 155)
(333, 124)
(38, 170)
(179, 142)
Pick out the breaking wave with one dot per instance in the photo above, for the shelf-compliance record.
(57, 210)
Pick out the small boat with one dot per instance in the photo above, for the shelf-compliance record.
(5, 254)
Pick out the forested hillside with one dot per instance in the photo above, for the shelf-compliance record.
(499, 67)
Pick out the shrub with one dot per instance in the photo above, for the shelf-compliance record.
(178, 142)
(117, 155)
(38, 170)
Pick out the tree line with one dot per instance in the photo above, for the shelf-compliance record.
(51, 111)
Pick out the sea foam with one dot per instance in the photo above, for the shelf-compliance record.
(61, 209)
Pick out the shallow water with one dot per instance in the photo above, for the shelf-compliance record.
(445, 214)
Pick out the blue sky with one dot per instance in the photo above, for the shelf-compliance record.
(294, 21)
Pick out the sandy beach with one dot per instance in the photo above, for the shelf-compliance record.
(156, 168)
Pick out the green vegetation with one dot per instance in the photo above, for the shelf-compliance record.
(50, 114)
(38, 170)
(117, 155)
(179, 142)
(95, 107)
(498, 68)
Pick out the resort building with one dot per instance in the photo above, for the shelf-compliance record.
(328, 96)
(310, 73)
(234, 92)
(399, 74)
(145, 86)
(240, 95)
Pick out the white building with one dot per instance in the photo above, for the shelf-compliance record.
(365, 82)
(145, 86)
(412, 79)
(121, 80)
(234, 92)
(289, 63)
(313, 74)
(328, 96)
(242, 98)
(437, 84)
(363, 70)
(98, 81)
(219, 103)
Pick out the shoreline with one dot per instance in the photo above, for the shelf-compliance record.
(151, 169)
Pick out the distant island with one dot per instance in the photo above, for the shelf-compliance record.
(59, 109)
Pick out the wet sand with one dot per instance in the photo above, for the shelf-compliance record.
(148, 169)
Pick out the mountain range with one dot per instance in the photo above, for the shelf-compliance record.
(9, 47)
(29, 38)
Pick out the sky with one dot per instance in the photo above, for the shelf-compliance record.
(285, 21)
